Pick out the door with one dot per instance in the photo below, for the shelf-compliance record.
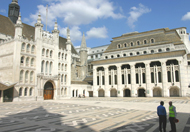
(48, 91)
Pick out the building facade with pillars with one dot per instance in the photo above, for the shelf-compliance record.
(148, 64)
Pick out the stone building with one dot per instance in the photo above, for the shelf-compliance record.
(149, 64)
(39, 65)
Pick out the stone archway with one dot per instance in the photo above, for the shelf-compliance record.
(141, 92)
(113, 92)
(174, 92)
(157, 92)
(101, 93)
(48, 90)
(126, 93)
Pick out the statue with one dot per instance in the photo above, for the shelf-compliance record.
(16, 1)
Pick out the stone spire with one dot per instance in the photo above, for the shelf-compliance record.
(19, 22)
(55, 26)
(83, 43)
(39, 18)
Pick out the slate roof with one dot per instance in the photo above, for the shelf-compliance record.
(7, 27)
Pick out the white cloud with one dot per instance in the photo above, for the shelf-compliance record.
(3, 11)
(135, 13)
(100, 32)
(75, 33)
(76, 12)
(186, 16)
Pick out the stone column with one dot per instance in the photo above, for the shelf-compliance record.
(183, 78)
(164, 80)
(1, 96)
(95, 81)
(106, 81)
(148, 80)
(119, 79)
(133, 80)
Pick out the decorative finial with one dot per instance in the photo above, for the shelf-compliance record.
(15, 1)
(68, 35)
(55, 26)
(19, 19)
(39, 18)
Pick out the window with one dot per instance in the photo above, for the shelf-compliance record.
(65, 78)
(59, 55)
(26, 76)
(109, 79)
(33, 48)
(62, 56)
(138, 42)
(131, 43)
(167, 49)
(119, 46)
(125, 45)
(25, 91)
(144, 52)
(97, 80)
(159, 50)
(106, 57)
(23, 47)
(66, 67)
(28, 48)
(50, 68)
(31, 77)
(30, 91)
(97, 50)
(103, 82)
(61, 78)
(102, 49)
(42, 68)
(169, 76)
(118, 55)
(129, 78)
(20, 92)
(65, 56)
(176, 76)
(27, 61)
(152, 40)
(96, 56)
(152, 51)
(32, 62)
(138, 53)
(22, 60)
(51, 52)
(91, 56)
(112, 56)
(145, 42)
(115, 76)
(131, 54)
(21, 75)
(47, 52)
(124, 54)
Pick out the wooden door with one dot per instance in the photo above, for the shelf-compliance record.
(48, 94)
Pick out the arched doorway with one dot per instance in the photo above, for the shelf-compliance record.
(113, 93)
(126, 93)
(157, 92)
(174, 92)
(48, 91)
(101, 93)
(141, 92)
(73, 93)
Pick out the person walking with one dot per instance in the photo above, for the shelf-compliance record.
(161, 112)
(172, 116)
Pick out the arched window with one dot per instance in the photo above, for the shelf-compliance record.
(33, 48)
(43, 52)
(112, 56)
(65, 79)
(124, 54)
(59, 55)
(25, 91)
(42, 68)
(65, 91)
(125, 45)
(31, 76)
(28, 48)
(51, 53)
(62, 56)
(31, 89)
(118, 55)
(152, 51)
(62, 66)
(23, 47)
(22, 60)
(119, 46)
(21, 75)
(32, 62)
(106, 57)
(144, 52)
(50, 67)
(47, 67)
(27, 61)
(62, 91)
(59, 65)
(152, 40)
(131, 54)
(138, 53)
(167, 49)
(26, 77)
(138, 42)
(131, 43)
(65, 67)
(159, 50)
(65, 56)
(20, 92)
(47, 52)
(61, 78)
(145, 42)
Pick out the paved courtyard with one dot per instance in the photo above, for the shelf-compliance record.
(90, 115)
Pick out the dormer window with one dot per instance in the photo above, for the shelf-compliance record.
(131, 43)
(118, 55)
(145, 52)
(138, 42)
(124, 54)
(145, 42)
(119, 46)
(125, 45)
(131, 54)
(152, 40)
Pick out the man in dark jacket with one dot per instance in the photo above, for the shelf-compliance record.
(161, 112)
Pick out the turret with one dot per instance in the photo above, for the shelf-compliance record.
(18, 28)
(83, 51)
(55, 33)
(38, 28)
(14, 10)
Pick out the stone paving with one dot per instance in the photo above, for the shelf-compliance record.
(90, 115)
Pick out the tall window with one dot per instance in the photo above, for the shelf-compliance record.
(28, 48)
(21, 75)
(61, 78)
(20, 92)
(22, 60)
(43, 52)
(27, 61)
(98, 80)
(31, 91)
(25, 91)
(32, 62)
(109, 79)
(103, 82)
(169, 76)
(42, 68)
(26, 76)
(46, 67)
(62, 56)
(65, 78)
(50, 67)
(59, 55)
(47, 52)
(31, 76)
(65, 67)
(65, 56)
(23, 47)
(145, 42)
(51, 52)
(32, 49)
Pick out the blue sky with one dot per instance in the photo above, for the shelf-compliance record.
(101, 20)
